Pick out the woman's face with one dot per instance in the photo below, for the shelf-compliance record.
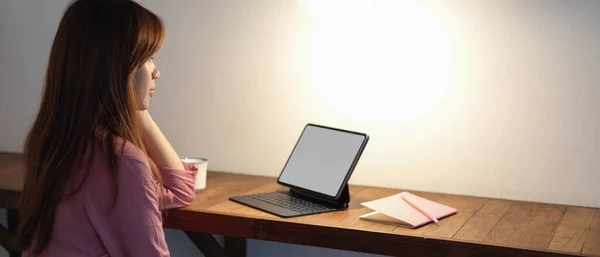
(144, 83)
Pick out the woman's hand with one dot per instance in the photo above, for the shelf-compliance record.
(158, 147)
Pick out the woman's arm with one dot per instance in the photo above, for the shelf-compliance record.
(178, 178)
(158, 147)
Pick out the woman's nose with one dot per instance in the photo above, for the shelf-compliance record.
(155, 74)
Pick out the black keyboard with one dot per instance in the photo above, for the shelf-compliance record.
(292, 203)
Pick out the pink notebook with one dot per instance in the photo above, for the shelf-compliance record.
(396, 211)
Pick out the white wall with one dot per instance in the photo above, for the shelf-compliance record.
(492, 98)
(517, 119)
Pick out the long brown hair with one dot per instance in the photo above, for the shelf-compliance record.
(88, 94)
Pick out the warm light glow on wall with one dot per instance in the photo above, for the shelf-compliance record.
(378, 61)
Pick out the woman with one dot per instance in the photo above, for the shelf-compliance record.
(99, 170)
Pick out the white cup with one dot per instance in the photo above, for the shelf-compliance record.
(202, 165)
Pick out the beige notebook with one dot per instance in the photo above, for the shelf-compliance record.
(394, 210)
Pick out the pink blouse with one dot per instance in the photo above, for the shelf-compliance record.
(85, 225)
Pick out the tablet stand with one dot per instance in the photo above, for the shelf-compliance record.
(341, 202)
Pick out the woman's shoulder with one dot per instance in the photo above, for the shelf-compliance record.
(131, 153)
(134, 176)
(131, 157)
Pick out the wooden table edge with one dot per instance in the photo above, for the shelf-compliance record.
(376, 242)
